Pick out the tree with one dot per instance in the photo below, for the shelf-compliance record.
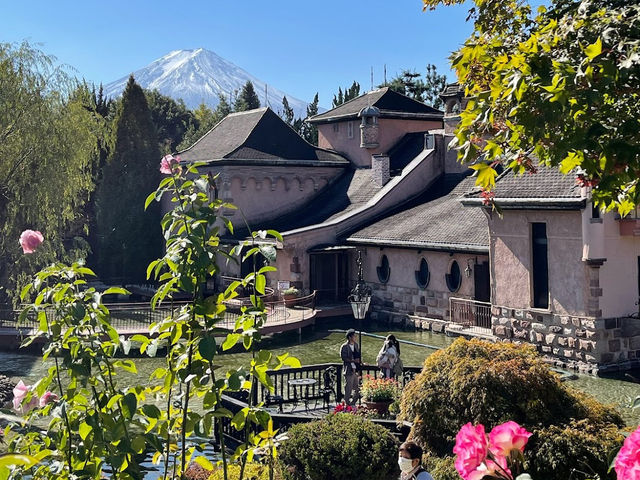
(411, 84)
(205, 120)
(128, 237)
(171, 118)
(349, 94)
(307, 130)
(561, 88)
(287, 112)
(48, 143)
(247, 99)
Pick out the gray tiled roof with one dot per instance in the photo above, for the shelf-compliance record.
(390, 103)
(436, 220)
(546, 183)
(256, 135)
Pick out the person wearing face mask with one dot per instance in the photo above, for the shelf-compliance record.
(410, 456)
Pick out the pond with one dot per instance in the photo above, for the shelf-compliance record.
(321, 344)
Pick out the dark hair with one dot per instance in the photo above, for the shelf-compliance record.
(393, 341)
(350, 333)
(413, 449)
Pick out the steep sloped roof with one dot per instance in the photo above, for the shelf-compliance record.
(405, 150)
(390, 103)
(258, 135)
(547, 188)
(435, 220)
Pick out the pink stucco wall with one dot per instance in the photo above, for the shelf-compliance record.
(619, 273)
(510, 251)
(389, 132)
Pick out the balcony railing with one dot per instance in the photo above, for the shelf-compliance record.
(471, 315)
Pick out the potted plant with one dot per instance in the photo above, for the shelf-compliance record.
(290, 293)
(379, 393)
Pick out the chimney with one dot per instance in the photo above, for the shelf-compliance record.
(380, 169)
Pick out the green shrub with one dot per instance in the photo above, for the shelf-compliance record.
(339, 447)
(441, 468)
(577, 451)
(491, 383)
(252, 471)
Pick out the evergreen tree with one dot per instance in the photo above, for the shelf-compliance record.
(349, 94)
(129, 238)
(171, 119)
(287, 112)
(411, 84)
(247, 99)
(308, 131)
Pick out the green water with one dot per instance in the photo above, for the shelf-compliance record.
(319, 345)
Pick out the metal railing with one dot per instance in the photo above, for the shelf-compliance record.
(138, 316)
(470, 314)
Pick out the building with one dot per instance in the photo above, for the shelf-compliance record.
(551, 270)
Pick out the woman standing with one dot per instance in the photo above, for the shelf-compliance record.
(388, 356)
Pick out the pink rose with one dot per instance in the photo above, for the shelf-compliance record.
(497, 469)
(30, 240)
(20, 392)
(47, 398)
(627, 464)
(506, 437)
(166, 162)
(471, 449)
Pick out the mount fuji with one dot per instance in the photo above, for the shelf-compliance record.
(200, 75)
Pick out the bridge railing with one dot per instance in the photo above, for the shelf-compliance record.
(470, 314)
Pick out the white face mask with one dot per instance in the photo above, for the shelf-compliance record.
(406, 464)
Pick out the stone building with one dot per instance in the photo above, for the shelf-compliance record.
(551, 270)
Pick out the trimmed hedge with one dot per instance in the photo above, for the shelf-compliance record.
(491, 383)
(339, 447)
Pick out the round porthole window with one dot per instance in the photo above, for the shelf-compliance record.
(454, 277)
(383, 270)
(422, 274)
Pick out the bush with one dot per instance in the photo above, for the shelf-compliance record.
(441, 468)
(491, 383)
(252, 471)
(340, 447)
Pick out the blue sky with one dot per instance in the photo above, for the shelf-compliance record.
(300, 47)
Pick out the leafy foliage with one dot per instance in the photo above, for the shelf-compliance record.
(171, 119)
(411, 84)
(480, 382)
(205, 120)
(341, 447)
(127, 238)
(562, 86)
(349, 94)
(49, 135)
(247, 99)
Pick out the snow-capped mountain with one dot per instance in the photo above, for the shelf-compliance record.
(200, 75)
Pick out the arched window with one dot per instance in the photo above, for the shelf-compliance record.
(453, 278)
(383, 270)
(422, 274)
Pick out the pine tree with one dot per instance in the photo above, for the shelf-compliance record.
(247, 99)
(128, 237)
(287, 112)
(205, 121)
(349, 94)
(308, 131)
(171, 118)
(411, 84)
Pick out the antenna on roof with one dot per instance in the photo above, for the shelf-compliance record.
(372, 78)
(266, 96)
(385, 74)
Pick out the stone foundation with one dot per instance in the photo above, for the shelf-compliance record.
(587, 344)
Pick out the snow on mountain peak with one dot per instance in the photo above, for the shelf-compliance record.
(200, 75)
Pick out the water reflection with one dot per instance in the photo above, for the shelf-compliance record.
(320, 345)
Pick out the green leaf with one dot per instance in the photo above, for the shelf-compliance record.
(10, 459)
(84, 430)
(138, 444)
(150, 198)
(275, 234)
(207, 347)
(129, 404)
(261, 283)
(593, 50)
(204, 462)
(116, 290)
(151, 411)
(231, 341)
(486, 176)
(571, 161)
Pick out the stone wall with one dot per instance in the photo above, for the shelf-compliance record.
(587, 344)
